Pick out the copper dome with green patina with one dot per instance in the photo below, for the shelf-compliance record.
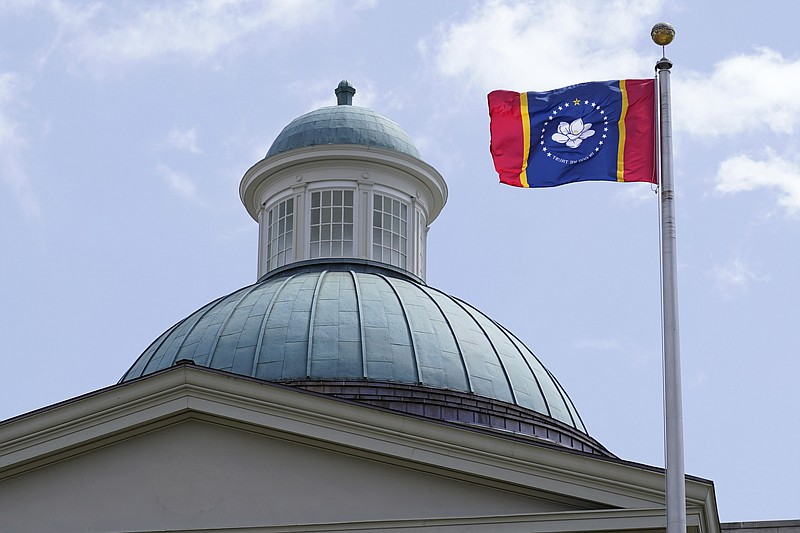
(343, 124)
(375, 333)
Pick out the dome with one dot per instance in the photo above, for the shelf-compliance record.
(374, 334)
(343, 124)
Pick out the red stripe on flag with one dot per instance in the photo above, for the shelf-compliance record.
(640, 132)
(506, 144)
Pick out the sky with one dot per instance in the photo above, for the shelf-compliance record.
(126, 126)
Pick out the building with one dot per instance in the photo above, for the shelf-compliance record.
(337, 393)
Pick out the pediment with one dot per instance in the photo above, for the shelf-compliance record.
(190, 448)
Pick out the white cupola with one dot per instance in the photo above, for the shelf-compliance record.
(343, 182)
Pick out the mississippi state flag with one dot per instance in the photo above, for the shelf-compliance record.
(596, 131)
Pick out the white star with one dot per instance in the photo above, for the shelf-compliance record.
(560, 108)
(601, 142)
(565, 105)
(594, 105)
(604, 135)
(586, 102)
(597, 149)
(549, 118)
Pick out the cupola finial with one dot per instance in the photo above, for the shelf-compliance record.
(344, 93)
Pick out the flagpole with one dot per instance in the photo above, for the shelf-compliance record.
(662, 35)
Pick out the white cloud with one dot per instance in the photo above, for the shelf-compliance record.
(179, 183)
(17, 5)
(543, 45)
(742, 173)
(184, 140)
(734, 277)
(197, 29)
(12, 144)
(635, 195)
(746, 92)
(71, 19)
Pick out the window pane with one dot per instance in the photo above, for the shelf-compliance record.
(326, 215)
(348, 232)
(315, 199)
(347, 249)
(326, 198)
(314, 233)
(315, 216)
(337, 197)
(376, 236)
(337, 232)
(337, 214)
(325, 233)
(279, 234)
(348, 198)
(348, 215)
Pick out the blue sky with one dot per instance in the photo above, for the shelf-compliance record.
(125, 128)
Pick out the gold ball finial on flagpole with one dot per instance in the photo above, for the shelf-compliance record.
(662, 33)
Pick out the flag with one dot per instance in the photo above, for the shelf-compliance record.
(586, 132)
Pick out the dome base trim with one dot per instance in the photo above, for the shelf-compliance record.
(455, 407)
(344, 264)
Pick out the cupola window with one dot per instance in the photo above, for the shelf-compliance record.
(331, 224)
(280, 230)
(389, 230)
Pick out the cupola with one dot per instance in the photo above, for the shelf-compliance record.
(343, 182)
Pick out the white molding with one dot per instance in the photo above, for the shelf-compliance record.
(620, 520)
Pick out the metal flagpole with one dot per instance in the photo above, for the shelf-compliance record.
(663, 34)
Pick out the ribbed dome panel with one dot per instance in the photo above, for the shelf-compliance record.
(343, 124)
(368, 325)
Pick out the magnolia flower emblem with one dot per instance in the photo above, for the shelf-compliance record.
(574, 133)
